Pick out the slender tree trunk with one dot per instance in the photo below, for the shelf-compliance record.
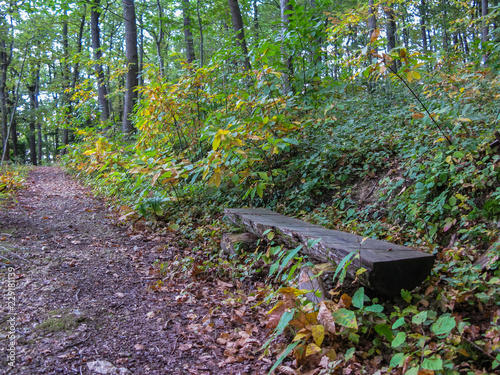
(446, 44)
(465, 44)
(484, 30)
(32, 90)
(66, 96)
(5, 60)
(238, 28)
(423, 20)
(200, 26)
(39, 136)
(132, 64)
(159, 38)
(391, 27)
(95, 12)
(141, 52)
(286, 7)
(372, 20)
(255, 20)
(188, 34)
(15, 142)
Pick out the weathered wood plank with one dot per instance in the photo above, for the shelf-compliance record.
(390, 267)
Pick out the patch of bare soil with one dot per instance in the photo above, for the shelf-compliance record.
(84, 302)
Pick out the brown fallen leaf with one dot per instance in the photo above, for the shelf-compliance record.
(184, 347)
(325, 317)
(223, 284)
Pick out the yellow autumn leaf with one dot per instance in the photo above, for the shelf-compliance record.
(416, 74)
(318, 333)
(312, 349)
(216, 142)
(216, 179)
(302, 334)
(375, 35)
(218, 138)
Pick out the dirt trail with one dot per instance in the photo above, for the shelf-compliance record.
(82, 294)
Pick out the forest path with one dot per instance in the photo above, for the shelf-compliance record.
(83, 294)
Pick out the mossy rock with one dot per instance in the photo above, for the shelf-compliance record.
(62, 320)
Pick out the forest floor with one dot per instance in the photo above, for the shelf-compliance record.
(88, 300)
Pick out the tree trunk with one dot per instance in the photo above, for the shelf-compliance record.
(132, 64)
(188, 34)
(423, 18)
(39, 135)
(200, 26)
(66, 95)
(141, 53)
(286, 8)
(5, 60)
(238, 28)
(391, 27)
(445, 28)
(391, 32)
(15, 143)
(372, 20)
(484, 30)
(255, 20)
(95, 12)
(33, 94)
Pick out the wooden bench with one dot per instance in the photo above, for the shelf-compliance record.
(390, 267)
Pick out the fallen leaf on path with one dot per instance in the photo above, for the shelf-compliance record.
(223, 284)
(184, 347)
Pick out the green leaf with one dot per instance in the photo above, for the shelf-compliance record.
(419, 318)
(264, 176)
(260, 190)
(398, 323)
(312, 242)
(443, 326)
(342, 263)
(452, 201)
(283, 355)
(375, 308)
(349, 354)
(385, 331)
(291, 141)
(290, 256)
(358, 299)
(412, 371)
(496, 362)
(285, 319)
(345, 318)
(398, 359)
(406, 295)
(398, 340)
(432, 363)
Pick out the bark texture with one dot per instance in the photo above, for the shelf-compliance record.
(132, 64)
